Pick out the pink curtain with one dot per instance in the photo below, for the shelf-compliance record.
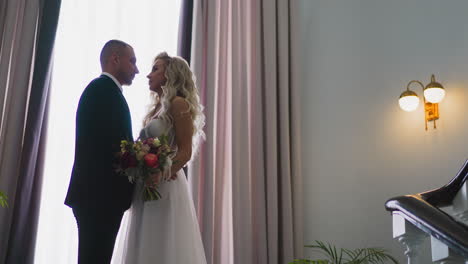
(246, 180)
(27, 35)
(18, 32)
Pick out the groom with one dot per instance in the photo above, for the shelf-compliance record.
(97, 195)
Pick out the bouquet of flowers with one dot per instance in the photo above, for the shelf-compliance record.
(143, 159)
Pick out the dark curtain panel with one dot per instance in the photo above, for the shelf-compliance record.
(3, 8)
(26, 211)
(185, 30)
(185, 35)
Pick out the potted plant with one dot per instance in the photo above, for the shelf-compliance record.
(346, 256)
(3, 200)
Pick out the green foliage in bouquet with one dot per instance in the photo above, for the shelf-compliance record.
(3, 200)
(332, 255)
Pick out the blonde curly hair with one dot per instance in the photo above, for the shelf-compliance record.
(180, 82)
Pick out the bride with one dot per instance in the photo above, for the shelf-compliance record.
(166, 230)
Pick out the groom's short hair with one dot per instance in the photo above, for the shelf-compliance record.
(112, 46)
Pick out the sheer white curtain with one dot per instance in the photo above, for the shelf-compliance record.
(150, 26)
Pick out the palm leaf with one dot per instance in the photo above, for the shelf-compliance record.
(3, 200)
(346, 256)
(329, 251)
(354, 256)
(368, 255)
(377, 255)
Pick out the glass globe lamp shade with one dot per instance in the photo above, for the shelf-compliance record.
(434, 95)
(408, 101)
(434, 92)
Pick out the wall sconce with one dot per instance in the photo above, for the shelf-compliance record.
(434, 92)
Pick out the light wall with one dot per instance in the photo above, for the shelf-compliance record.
(352, 59)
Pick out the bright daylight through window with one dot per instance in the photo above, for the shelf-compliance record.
(150, 26)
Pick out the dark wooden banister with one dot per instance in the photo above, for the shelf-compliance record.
(422, 210)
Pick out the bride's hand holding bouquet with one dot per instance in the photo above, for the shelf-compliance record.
(147, 161)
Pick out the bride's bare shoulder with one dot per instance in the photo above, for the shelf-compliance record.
(179, 105)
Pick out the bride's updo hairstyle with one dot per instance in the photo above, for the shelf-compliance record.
(180, 82)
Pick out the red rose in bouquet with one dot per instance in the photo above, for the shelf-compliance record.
(151, 160)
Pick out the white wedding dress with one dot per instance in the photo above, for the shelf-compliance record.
(163, 231)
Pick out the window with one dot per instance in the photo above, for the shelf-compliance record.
(150, 26)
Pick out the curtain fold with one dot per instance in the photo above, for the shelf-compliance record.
(184, 39)
(18, 37)
(184, 43)
(27, 35)
(246, 180)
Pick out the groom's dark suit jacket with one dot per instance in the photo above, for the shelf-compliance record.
(102, 121)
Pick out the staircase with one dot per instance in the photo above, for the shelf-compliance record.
(433, 226)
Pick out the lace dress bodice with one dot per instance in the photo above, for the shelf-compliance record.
(156, 128)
